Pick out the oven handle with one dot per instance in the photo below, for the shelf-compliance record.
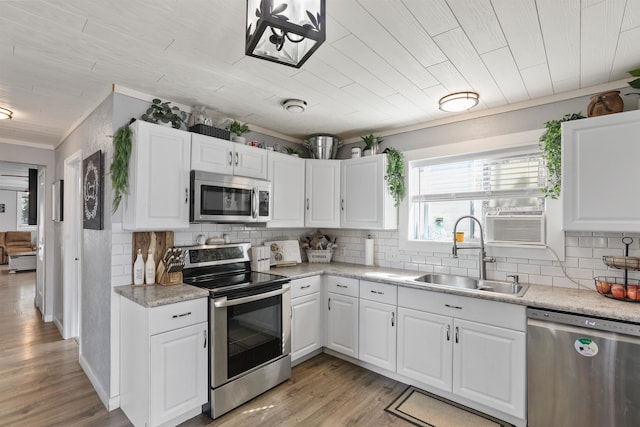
(224, 302)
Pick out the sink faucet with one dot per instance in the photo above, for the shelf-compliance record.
(483, 259)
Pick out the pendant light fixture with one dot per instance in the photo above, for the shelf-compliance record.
(5, 114)
(287, 32)
(459, 101)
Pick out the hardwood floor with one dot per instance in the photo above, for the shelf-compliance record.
(42, 383)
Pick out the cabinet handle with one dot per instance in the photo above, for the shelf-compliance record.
(448, 332)
(393, 319)
(329, 304)
(237, 157)
(186, 196)
(457, 307)
(290, 312)
(341, 286)
(457, 335)
(205, 338)
(230, 158)
(377, 292)
(305, 286)
(307, 203)
(341, 204)
(188, 313)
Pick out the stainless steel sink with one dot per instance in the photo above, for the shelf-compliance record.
(462, 282)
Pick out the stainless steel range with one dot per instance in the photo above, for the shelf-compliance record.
(249, 324)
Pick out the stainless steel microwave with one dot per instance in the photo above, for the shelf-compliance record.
(228, 198)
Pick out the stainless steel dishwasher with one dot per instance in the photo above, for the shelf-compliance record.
(582, 371)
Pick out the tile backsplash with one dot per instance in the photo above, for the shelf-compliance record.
(583, 256)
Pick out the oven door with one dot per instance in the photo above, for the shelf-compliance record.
(249, 331)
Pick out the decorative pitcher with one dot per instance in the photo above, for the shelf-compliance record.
(605, 103)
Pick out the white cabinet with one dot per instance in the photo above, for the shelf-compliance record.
(322, 198)
(472, 348)
(217, 155)
(342, 315)
(365, 199)
(600, 157)
(164, 361)
(287, 176)
(158, 196)
(377, 334)
(306, 325)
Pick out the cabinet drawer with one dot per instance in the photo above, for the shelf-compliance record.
(178, 315)
(380, 292)
(495, 313)
(305, 286)
(343, 286)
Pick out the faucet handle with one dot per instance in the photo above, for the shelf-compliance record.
(514, 278)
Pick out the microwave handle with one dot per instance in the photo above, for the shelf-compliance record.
(254, 203)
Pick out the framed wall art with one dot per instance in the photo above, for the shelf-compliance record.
(92, 191)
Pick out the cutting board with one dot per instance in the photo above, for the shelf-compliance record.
(284, 252)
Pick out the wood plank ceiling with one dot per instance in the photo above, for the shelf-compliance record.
(385, 63)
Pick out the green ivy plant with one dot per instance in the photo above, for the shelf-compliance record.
(164, 113)
(551, 146)
(395, 174)
(119, 169)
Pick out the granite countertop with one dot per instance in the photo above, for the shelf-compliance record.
(157, 295)
(585, 302)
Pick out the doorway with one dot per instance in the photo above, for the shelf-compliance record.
(72, 246)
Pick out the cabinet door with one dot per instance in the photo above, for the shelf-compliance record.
(489, 366)
(425, 347)
(209, 154)
(178, 367)
(342, 324)
(306, 328)
(377, 338)
(286, 174)
(249, 161)
(365, 200)
(322, 204)
(158, 178)
(599, 183)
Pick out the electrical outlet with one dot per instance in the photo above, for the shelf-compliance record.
(392, 256)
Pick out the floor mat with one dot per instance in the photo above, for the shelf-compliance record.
(428, 410)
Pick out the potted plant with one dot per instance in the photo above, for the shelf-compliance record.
(293, 151)
(551, 146)
(238, 129)
(162, 113)
(371, 144)
(395, 174)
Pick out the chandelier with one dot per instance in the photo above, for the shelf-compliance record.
(286, 33)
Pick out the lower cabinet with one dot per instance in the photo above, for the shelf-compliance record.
(163, 361)
(306, 311)
(342, 315)
(472, 348)
(377, 332)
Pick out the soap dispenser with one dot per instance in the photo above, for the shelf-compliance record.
(138, 269)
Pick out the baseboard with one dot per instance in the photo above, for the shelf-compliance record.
(306, 357)
(48, 318)
(56, 322)
(109, 403)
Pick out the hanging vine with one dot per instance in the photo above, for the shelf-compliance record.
(119, 169)
(395, 174)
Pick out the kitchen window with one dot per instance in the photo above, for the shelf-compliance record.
(444, 189)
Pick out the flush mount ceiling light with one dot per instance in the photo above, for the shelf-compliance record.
(286, 33)
(294, 105)
(459, 101)
(5, 114)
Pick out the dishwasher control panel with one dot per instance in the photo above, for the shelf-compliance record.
(585, 321)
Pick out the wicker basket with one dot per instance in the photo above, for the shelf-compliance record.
(319, 256)
(211, 131)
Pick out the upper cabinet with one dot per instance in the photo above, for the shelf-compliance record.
(158, 196)
(599, 187)
(322, 198)
(365, 199)
(217, 155)
(286, 174)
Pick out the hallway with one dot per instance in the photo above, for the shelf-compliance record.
(41, 381)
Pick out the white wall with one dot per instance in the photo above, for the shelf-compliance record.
(8, 218)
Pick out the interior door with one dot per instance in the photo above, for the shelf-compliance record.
(40, 265)
(72, 242)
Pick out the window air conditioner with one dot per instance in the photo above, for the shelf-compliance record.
(511, 227)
